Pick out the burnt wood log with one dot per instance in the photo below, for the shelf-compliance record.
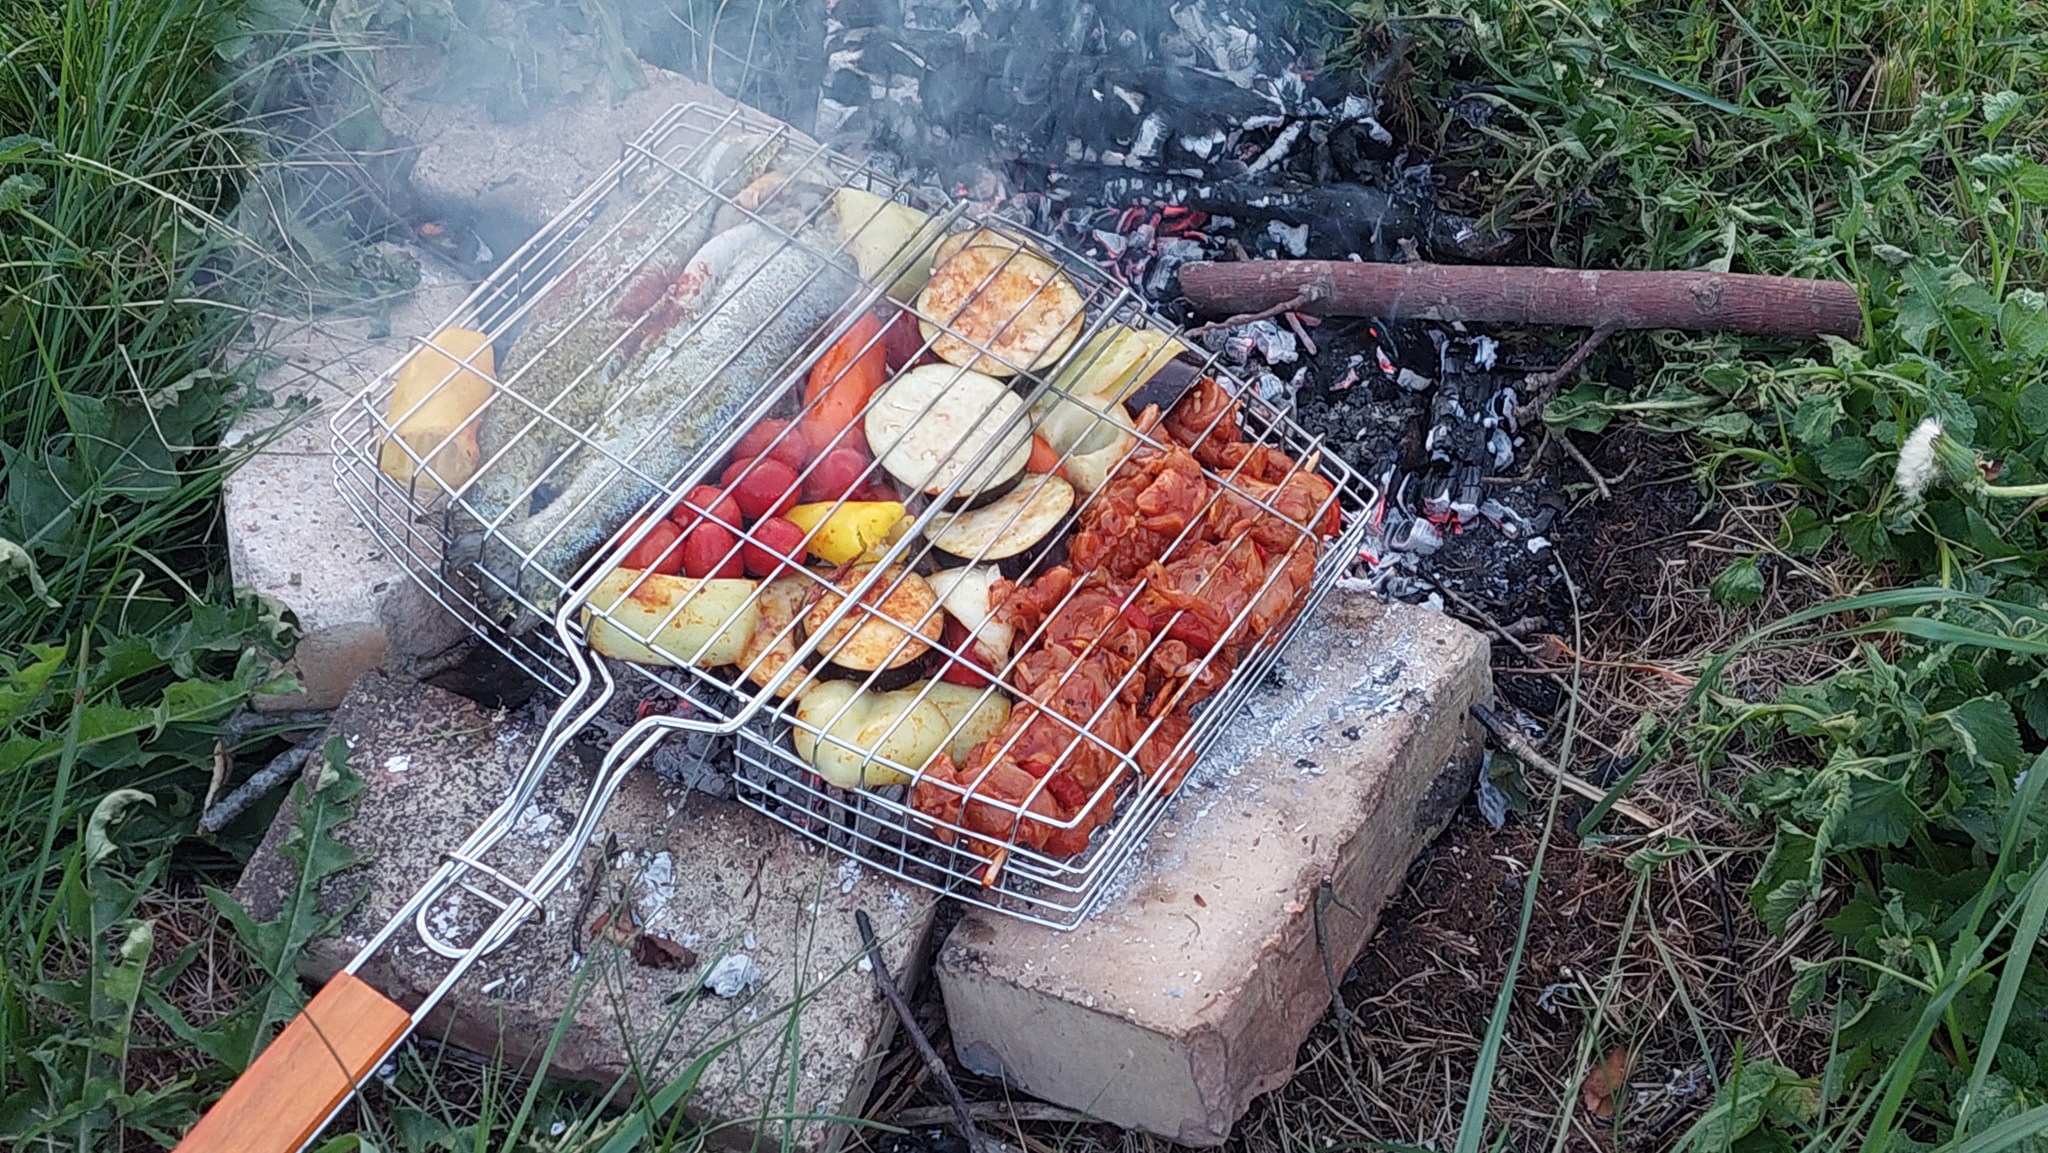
(1496, 294)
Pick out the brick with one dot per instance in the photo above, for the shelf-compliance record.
(1190, 993)
(435, 764)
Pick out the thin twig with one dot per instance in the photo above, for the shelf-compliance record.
(269, 777)
(1300, 300)
(1572, 450)
(1543, 385)
(1024, 1111)
(1525, 752)
(887, 984)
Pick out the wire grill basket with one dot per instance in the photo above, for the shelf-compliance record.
(708, 313)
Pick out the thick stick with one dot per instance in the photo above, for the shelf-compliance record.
(1498, 294)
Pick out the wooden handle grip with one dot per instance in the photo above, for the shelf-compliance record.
(282, 1100)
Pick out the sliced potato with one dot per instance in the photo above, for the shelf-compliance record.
(887, 239)
(773, 644)
(1011, 301)
(654, 619)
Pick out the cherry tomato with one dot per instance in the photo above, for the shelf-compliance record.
(657, 551)
(770, 439)
(835, 475)
(711, 550)
(763, 487)
(773, 542)
(703, 501)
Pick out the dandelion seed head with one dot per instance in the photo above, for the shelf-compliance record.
(1916, 459)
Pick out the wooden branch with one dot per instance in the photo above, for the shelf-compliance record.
(1499, 294)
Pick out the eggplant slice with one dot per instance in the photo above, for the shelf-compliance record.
(1014, 533)
(887, 642)
(1015, 303)
(928, 425)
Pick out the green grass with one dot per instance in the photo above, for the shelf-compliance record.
(122, 645)
(1898, 146)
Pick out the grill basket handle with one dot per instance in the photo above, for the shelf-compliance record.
(284, 1099)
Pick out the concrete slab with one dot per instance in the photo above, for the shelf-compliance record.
(700, 871)
(1192, 991)
(291, 536)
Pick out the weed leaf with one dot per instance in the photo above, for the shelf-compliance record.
(1739, 585)
(1987, 732)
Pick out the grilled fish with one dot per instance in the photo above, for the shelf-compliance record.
(617, 291)
(674, 401)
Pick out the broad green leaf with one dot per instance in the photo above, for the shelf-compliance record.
(1845, 457)
(1740, 585)
(1999, 109)
(1815, 418)
(2023, 323)
(1803, 532)
(2031, 182)
(1726, 426)
(1986, 732)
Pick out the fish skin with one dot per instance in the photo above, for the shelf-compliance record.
(661, 224)
(776, 299)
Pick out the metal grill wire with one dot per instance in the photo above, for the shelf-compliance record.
(693, 624)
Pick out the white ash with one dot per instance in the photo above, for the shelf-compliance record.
(1278, 150)
(849, 875)
(535, 824)
(654, 890)
(1484, 351)
(735, 973)
(1413, 381)
(1294, 240)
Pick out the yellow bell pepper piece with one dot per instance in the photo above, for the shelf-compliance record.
(841, 532)
(434, 401)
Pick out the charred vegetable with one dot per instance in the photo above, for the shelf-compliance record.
(1005, 299)
(773, 643)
